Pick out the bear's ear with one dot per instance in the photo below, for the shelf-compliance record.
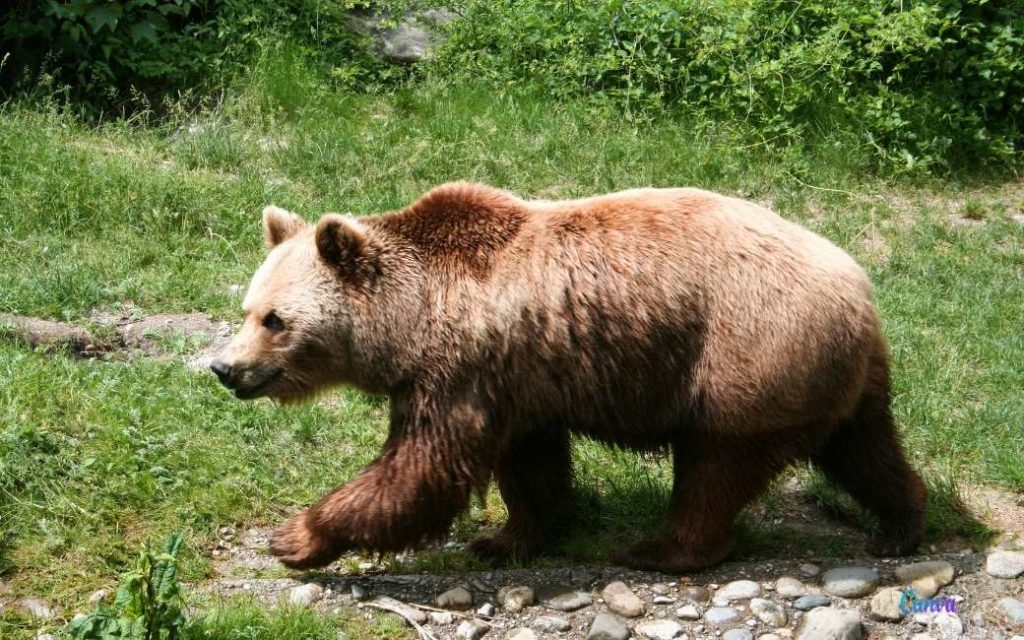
(279, 225)
(349, 246)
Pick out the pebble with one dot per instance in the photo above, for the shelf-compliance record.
(458, 599)
(486, 610)
(46, 636)
(441, 617)
(789, 587)
(607, 627)
(306, 594)
(810, 570)
(830, 624)
(472, 629)
(568, 600)
(663, 600)
(660, 589)
(551, 624)
(522, 633)
(36, 608)
(739, 590)
(98, 596)
(688, 612)
(621, 600)
(768, 612)
(947, 625)
(721, 615)
(1013, 609)
(402, 609)
(658, 629)
(769, 636)
(737, 634)
(359, 593)
(515, 599)
(699, 595)
(813, 601)
(886, 604)
(926, 577)
(1005, 564)
(850, 582)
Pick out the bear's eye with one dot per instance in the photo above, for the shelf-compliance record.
(273, 322)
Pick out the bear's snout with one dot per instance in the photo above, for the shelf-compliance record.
(223, 371)
(246, 381)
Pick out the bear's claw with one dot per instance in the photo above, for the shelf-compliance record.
(299, 547)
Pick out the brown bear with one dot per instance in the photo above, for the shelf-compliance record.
(646, 319)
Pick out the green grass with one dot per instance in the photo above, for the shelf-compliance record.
(96, 457)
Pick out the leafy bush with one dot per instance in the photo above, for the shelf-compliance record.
(922, 82)
(148, 604)
(107, 51)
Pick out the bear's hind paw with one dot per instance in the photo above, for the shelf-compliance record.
(299, 547)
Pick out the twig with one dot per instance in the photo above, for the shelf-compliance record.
(420, 629)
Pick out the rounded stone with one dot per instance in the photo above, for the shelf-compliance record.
(458, 599)
(810, 570)
(738, 634)
(688, 612)
(1005, 564)
(306, 594)
(472, 629)
(739, 590)
(850, 582)
(813, 601)
(658, 629)
(699, 595)
(522, 633)
(768, 612)
(947, 625)
(621, 600)
(926, 577)
(607, 627)
(789, 587)
(885, 604)
(1013, 609)
(567, 600)
(515, 599)
(830, 624)
(721, 615)
(98, 596)
(550, 624)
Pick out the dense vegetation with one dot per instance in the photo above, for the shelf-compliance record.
(909, 85)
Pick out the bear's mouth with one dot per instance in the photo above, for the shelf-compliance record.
(255, 390)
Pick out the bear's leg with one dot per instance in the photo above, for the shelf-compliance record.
(865, 458)
(714, 478)
(535, 479)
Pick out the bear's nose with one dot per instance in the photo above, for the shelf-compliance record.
(223, 371)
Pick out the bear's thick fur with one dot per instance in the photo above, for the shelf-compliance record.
(645, 319)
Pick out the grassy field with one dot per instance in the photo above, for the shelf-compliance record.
(98, 456)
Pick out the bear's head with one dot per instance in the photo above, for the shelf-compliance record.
(318, 311)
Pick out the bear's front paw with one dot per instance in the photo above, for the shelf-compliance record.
(298, 546)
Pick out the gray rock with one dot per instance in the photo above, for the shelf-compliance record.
(768, 612)
(813, 601)
(886, 604)
(947, 625)
(359, 593)
(441, 617)
(926, 577)
(46, 636)
(721, 615)
(738, 634)
(699, 595)
(660, 589)
(472, 629)
(515, 599)
(850, 582)
(621, 600)
(550, 624)
(658, 629)
(486, 610)
(739, 590)
(36, 608)
(98, 596)
(402, 609)
(810, 570)
(567, 600)
(688, 612)
(1005, 564)
(663, 600)
(458, 599)
(789, 587)
(607, 627)
(522, 633)
(830, 624)
(1013, 609)
(769, 636)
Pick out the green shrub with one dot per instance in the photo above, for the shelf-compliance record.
(106, 53)
(923, 83)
